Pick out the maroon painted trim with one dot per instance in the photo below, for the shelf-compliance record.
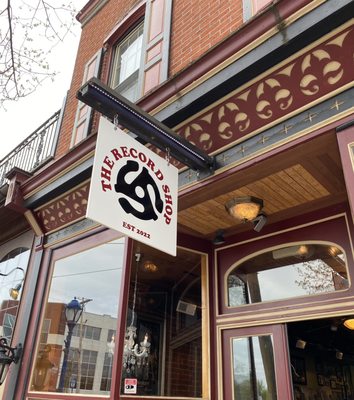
(28, 346)
(126, 25)
(344, 138)
(307, 218)
(213, 339)
(89, 145)
(122, 313)
(193, 243)
(35, 250)
(246, 34)
(281, 149)
(281, 357)
(58, 396)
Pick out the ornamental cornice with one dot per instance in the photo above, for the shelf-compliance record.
(64, 210)
(310, 77)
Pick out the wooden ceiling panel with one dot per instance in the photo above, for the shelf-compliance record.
(288, 188)
(304, 178)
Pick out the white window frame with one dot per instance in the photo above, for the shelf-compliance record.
(137, 74)
(83, 120)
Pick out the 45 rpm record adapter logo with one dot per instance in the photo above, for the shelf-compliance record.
(143, 193)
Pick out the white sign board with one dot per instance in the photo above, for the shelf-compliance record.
(133, 190)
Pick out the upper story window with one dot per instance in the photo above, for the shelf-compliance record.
(290, 271)
(126, 64)
(139, 50)
(252, 7)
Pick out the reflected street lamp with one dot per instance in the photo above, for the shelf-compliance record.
(73, 311)
(15, 291)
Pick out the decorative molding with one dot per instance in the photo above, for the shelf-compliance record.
(90, 10)
(64, 210)
(311, 77)
(77, 228)
(329, 111)
(251, 35)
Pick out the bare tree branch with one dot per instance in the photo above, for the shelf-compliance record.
(13, 74)
(28, 32)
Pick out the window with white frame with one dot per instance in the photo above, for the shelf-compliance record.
(88, 362)
(106, 379)
(88, 332)
(126, 64)
(139, 50)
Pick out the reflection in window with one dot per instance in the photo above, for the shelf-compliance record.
(253, 368)
(71, 356)
(106, 380)
(164, 318)
(85, 366)
(8, 326)
(43, 340)
(287, 272)
(12, 269)
(126, 65)
(188, 306)
(88, 332)
(237, 290)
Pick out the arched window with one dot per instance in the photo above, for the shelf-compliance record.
(293, 270)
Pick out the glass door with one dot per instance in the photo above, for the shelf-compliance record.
(255, 363)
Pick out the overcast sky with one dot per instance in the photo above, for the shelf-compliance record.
(92, 274)
(24, 116)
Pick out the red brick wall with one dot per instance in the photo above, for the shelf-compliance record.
(55, 312)
(186, 370)
(198, 26)
(92, 37)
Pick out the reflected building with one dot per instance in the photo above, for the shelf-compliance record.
(91, 347)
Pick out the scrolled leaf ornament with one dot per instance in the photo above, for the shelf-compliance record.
(231, 120)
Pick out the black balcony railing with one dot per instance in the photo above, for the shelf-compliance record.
(35, 150)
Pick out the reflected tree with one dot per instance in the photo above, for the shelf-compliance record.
(315, 276)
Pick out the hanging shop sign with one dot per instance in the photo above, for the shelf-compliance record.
(133, 190)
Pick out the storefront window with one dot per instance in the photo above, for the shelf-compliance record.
(290, 271)
(163, 341)
(80, 314)
(321, 358)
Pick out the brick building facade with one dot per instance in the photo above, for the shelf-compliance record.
(252, 306)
